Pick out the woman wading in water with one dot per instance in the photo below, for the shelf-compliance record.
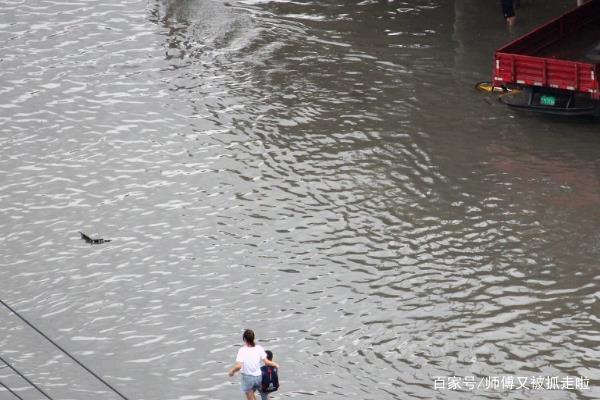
(248, 360)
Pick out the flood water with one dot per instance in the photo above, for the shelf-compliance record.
(322, 172)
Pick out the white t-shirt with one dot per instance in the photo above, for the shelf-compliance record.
(250, 357)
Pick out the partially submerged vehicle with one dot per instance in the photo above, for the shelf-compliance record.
(556, 67)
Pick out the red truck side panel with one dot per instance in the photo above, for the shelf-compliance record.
(530, 60)
(546, 72)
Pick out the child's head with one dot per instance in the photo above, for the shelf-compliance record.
(269, 355)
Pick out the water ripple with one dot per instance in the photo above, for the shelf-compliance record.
(315, 171)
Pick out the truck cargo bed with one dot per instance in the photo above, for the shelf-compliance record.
(562, 54)
(583, 47)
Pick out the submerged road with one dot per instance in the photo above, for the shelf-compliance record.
(322, 173)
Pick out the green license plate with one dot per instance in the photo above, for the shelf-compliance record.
(548, 100)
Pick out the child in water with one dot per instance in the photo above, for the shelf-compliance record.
(269, 374)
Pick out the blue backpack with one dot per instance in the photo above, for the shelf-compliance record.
(270, 380)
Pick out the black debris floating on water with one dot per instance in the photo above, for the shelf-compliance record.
(92, 241)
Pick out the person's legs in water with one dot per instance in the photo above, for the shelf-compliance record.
(508, 10)
(250, 384)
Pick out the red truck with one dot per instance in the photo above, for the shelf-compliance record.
(556, 67)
